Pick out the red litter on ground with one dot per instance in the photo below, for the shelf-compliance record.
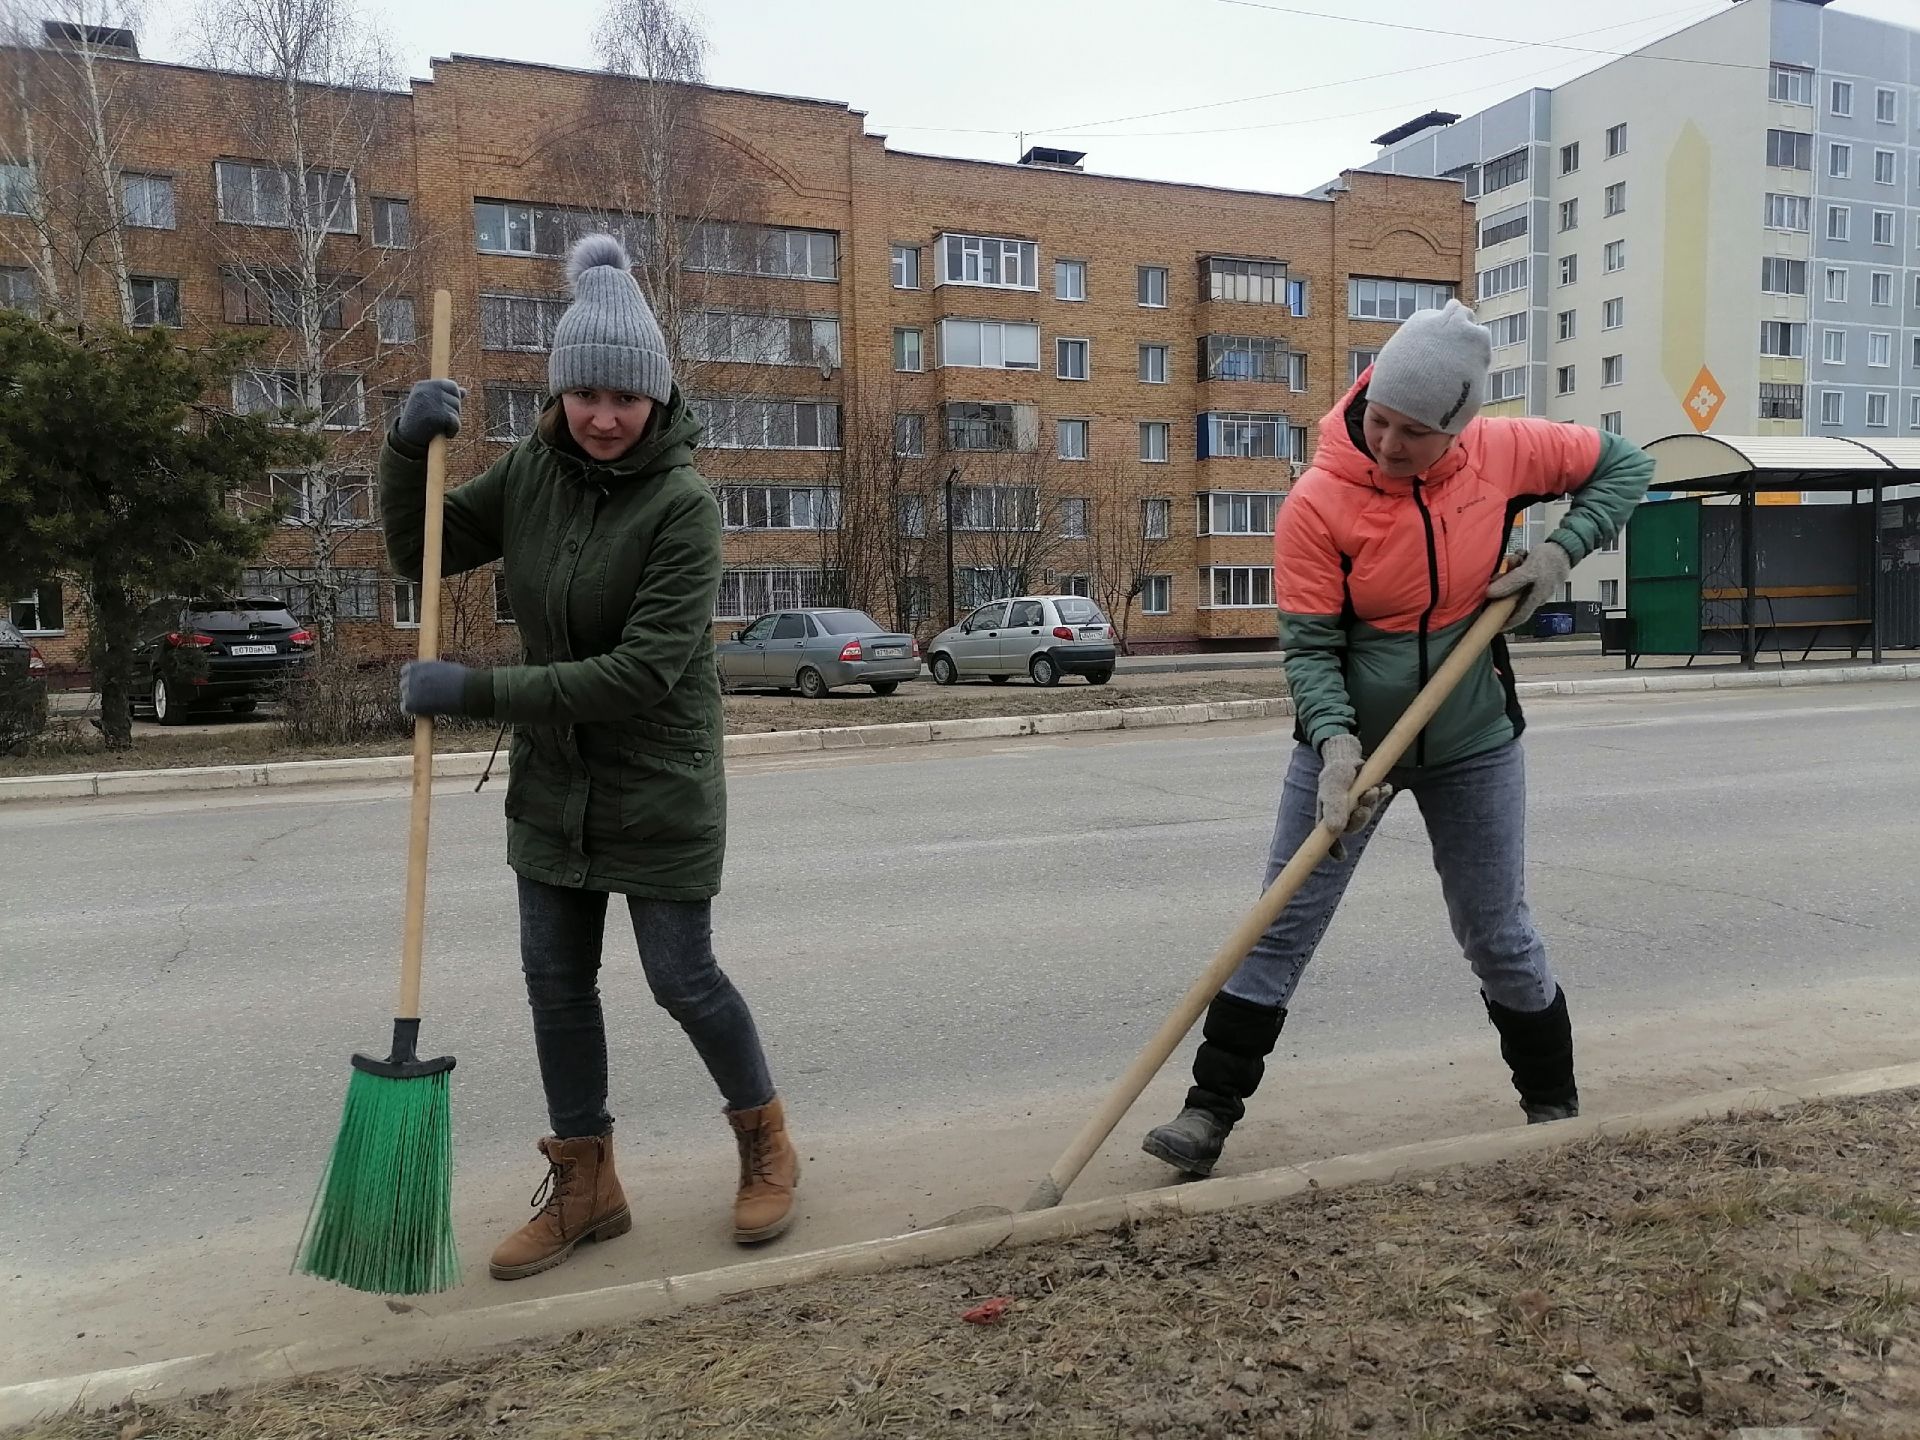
(989, 1312)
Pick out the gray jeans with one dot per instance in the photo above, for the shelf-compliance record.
(1476, 816)
(560, 937)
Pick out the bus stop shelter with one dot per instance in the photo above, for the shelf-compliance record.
(1723, 563)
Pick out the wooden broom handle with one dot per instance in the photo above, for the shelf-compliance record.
(409, 1008)
(1286, 884)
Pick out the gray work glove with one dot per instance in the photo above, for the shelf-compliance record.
(432, 408)
(1335, 810)
(438, 687)
(1538, 578)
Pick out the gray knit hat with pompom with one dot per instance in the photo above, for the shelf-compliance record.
(608, 339)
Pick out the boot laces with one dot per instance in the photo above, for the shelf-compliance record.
(547, 1199)
(760, 1156)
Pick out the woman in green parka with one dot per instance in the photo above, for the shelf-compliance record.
(610, 547)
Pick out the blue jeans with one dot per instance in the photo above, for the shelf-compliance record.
(560, 937)
(1476, 816)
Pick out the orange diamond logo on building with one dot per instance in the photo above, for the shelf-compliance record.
(1704, 399)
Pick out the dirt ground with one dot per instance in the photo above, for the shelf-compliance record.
(1756, 1272)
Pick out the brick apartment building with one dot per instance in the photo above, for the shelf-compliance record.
(1105, 374)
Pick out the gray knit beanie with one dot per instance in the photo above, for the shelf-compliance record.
(608, 339)
(1434, 368)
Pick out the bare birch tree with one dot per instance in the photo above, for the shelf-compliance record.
(881, 548)
(1010, 521)
(1122, 548)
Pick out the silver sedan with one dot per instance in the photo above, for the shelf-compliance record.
(815, 651)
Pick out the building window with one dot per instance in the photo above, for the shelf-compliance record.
(1512, 224)
(343, 401)
(1570, 158)
(1884, 228)
(973, 426)
(906, 350)
(1613, 314)
(1614, 257)
(1879, 409)
(1237, 513)
(146, 201)
(779, 507)
(1003, 509)
(1073, 525)
(396, 321)
(1613, 370)
(1609, 594)
(1880, 288)
(1569, 217)
(1610, 422)
(1886, 167)
(1836, 285)
(512, 411)
(746, 594)
(1616, 140)
(1886, 106)
(1617, 198)
(1237, 587)
(738, 249)
(747, 338)
(1257, 359)
(1070, 280)
(520, 322)
(1506, 330)
(906, 267)
(406, 604)
(392, 224)
(1564, 379)
(1507, 385)
(1357, 363)
(1398, 299)
(1070, 359)
(1791, 84)
(1879, 349)
(1245, 282)
(1502, 279)
(1913, 414)
(356, 592)
(737, 424)
(1156, 518)
(1840, 98)
(16, 189)
(1154, 435)
(1249, 437)
(345, 501)
(249, 194)
(156, 300)
(989, 345)
(276, 297)
(1833, 347)
(1790, 149)
(1071, 438)
(1153, 364)
(990, 262)
(1839, 222)
(910, 435)
(910, 516)
(1569, 269)
(1840, 161)
(1788, 212)
(1833, 407)
(1567, 324)
(1783, 277)
(1782, 402)
(41, 611)
(1508, 169)
(1156, 592)
(1150, 285)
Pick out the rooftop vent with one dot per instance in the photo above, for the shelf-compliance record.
(67, 35)
(1432, 120)
(1040, 157)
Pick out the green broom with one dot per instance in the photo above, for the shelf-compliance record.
(383, 1219)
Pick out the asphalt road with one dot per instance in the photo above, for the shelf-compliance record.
(951, 952)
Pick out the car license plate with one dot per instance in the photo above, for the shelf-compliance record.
(256, 650)
(887, 652)
(1098, 632)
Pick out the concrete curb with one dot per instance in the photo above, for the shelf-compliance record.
(110, 783)
(436, 1337)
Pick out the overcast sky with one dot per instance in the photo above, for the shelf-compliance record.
(1261, 94)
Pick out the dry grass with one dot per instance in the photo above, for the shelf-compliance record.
(1755, 1272)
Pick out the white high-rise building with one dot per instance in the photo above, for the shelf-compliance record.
(1721, 230)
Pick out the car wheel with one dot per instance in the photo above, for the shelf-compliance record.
(1099, 677)
(245, 707)
(1043, 670)
(812, 684)
(943, 669)
(885, 687)
(168, 707)
(999, 679)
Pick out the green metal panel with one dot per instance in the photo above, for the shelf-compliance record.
(1663, 578)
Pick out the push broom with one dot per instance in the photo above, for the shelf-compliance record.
(383, 1219)
(1317, 846)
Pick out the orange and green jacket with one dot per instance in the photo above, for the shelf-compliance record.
(1377, 579)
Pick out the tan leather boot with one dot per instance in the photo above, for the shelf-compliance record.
(579, 1200)
(769, 1171)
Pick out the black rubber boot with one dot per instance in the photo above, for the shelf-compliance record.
(1538, 1048)
(1236, 1040)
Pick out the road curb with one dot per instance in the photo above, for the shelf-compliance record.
(423, 1337)
(457, 764)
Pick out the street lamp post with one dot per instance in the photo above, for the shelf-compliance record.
(952, 475)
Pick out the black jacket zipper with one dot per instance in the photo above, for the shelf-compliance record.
(1433, 604)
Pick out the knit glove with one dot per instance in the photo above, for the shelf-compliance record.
(1335, 810)
(438, 687)
(1538, 578)
(432, 408)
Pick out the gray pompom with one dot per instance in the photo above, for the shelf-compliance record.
(592, 250)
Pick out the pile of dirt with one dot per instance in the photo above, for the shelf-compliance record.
(1761, 1271)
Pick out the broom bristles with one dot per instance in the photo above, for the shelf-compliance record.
(382, 1221)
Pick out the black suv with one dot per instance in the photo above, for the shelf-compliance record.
(230, 651)
(23, 688)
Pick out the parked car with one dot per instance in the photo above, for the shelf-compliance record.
(23, 688)
(251, 646)
(1042, 636)
(815, 651)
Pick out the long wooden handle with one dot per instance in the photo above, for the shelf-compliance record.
(409, 1008)
(1258, 920)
